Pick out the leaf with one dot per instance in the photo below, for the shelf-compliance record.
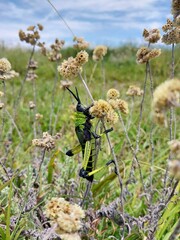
(8, 214)
(2, 234)
(51, 166)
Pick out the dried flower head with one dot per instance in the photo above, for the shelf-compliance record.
(134, 91)
(31, 76)
(65, 84)
(174, 168)
(168, 26)
(172, 36)
(32, 105)
(47, 142)
(175, 8)
(113, 94)
(159, 117)
(69, 68)
(40, 26)
(100, 108)
(70, 236)
(1, 105)
(53, 55)
(145, 54)
(151, 36)
(123, 106)
(31, 38)
(177, 21)
(99, 52)
(112, 117)
(67, 216)
(113, 103)
(81, 43)
(165, 95)
(5, 65)
(38, 116)
(175, 148)
(33, 65)
(82, 57)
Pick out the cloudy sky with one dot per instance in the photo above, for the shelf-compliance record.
(110, 22)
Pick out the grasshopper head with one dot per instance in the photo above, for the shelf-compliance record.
(79, 106)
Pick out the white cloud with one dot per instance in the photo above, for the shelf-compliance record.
(90, 18)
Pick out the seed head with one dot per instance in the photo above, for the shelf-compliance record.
(46, 142)
(145, 54)
(81, 43)
(65, 84)
(134, 91)
(5, 65)
(32, 105)
(40, 26)
(113, 94)
(174, 168)
(175, 8)
(100, 108)
(123, 106)
(175, 148)
(67, 216)
(99, 52)
(82, 58)
(69, 68)
(151, 36)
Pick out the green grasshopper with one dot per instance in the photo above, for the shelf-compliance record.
(87, 140)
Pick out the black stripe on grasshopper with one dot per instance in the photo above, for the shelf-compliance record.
(83, 129)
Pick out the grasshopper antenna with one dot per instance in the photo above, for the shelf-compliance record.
(76, 97)
(60, 16)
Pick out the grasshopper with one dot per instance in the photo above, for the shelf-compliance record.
(87, 140)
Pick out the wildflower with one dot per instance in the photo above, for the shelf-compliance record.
(175, 148)
(81, 43)
(134, 91)
(67, 217)
(159, 117)
(99, 52)
(32, 37)
(113, 94)
(31, 28)
(82, 57)
(152, 36)
(165, 95)
(112, 117)
(32, 105)
(122, 106)
(168, 26)
(33, 65)
(31, 76)
(70, 236)
(69, 68)
(65, 84)
(172, 36)
(175, 8)
(174, 168)
(40, 26)
(38, 116)
(53, 55)
(100, 108)
(113, 103)
(5, 65)
(47, 142)
(145, 54)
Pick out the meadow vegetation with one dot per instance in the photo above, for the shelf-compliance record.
(137, 197)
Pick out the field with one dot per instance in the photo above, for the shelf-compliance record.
(134, 197)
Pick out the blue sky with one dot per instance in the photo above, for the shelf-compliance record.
(110, 22)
